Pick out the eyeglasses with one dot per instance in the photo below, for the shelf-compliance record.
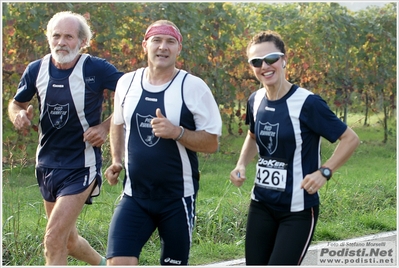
(269, 59)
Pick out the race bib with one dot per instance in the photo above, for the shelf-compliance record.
(271, 174)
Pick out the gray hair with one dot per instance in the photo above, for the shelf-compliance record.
(84, 28)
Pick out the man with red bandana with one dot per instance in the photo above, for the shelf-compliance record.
(162, 117)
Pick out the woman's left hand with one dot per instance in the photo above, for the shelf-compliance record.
(313, 182)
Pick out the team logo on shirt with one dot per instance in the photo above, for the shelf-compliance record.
(145, 130)
(58, 114)
(90, 79)
(268, 134)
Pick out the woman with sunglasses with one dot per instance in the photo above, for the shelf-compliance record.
(286, 125)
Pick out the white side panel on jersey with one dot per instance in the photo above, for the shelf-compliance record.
(294, 107)
(77, 87)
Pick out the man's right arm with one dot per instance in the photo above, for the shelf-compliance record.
(20, 114)
(117, 143)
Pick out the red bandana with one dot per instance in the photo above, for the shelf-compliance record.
(163, 29)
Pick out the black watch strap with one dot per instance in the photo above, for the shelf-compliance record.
(326, 172)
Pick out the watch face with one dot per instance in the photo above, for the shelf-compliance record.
(326, 172)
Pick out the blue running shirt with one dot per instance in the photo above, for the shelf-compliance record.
(156, 167)
(288, 135)
(70, 101)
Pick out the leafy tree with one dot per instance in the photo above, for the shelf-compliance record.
(377, 64)
(347, 57)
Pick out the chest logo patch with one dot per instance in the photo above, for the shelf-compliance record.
(90, 79)
(268, 134)
(145, 130)
(58, 114)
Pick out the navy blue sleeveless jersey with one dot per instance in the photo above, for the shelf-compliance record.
(156, 167)
(288, 134)
(70, 101)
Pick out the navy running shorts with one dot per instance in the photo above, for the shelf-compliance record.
(135, 220)
(54, 183)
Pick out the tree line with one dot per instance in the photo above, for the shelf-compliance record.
(347, 57)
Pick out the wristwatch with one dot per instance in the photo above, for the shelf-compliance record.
(326, 172)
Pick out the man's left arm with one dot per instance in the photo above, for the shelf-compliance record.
(97, 135)
(199, 141)
(195, 140)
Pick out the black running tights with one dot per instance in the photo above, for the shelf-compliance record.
(277, 237)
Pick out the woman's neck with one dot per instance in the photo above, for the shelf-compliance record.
(276, 93)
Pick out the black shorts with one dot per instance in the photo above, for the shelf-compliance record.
(135, 220)
(54, 183)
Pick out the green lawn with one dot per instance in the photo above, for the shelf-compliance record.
(359, 200)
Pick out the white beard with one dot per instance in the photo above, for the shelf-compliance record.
(60, 58)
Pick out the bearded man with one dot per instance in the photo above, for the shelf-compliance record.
(69, 86)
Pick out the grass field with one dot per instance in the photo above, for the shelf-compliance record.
(359, 200)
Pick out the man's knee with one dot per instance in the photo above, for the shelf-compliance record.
(53, 242)
(122, 261)
(74, 240)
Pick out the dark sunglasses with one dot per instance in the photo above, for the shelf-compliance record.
(269, 59)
